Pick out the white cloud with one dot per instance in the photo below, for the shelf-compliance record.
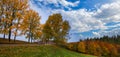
(82, 20)
(96, 34)
(66, 3)
(63, 3)
(109, 12)
(110, 33)
(113, 26)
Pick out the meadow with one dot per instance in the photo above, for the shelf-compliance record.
(38, 51)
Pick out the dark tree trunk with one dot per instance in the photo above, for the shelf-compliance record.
(4, 36)
(31, 39)
(5, 26)
(14, 37)
(9, 36)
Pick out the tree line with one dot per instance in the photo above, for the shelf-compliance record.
(16, 18)
(98, 48)
(113, 39)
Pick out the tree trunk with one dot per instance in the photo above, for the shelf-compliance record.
(31, 39)
(16, 31)
(5, 31)
(9, 36)
(4, 36)
(14, 38)
(15, 35)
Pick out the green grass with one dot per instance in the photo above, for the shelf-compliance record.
(38, 51)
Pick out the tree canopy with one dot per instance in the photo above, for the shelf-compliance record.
(56, 28)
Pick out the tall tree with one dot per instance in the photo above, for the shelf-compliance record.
(3, 20)
(30, 24)
(56, 28)
(20, 8)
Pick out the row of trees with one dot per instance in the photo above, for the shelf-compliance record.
(16, 18)
(11, 15)
(98, 48)
(114, 39)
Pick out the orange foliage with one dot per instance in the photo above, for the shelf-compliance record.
(81, 47)
(97, 48)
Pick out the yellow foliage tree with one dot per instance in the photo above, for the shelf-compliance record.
(81, 47)
(30, 24)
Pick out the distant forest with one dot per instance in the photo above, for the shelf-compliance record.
(113, 39)
(103, 47)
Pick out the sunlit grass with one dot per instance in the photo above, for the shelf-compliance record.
(38, 51)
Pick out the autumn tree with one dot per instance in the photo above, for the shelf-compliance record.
(20, 8)
(56, 28)
(30, 24)
(12, 11)
(3, 20)
(81, 47)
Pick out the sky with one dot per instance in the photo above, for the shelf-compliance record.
(87, 18)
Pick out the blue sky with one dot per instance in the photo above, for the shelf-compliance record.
(88, 18)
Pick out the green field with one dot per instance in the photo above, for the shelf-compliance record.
(38, 51)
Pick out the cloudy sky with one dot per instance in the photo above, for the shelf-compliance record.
(88, 18)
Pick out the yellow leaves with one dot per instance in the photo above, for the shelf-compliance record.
(54, 28)
(31, 23)
(12, 27)
(18, 15)
(15, 33)
(100, 49)
(81, 47)
(12, 12)
(70, 46)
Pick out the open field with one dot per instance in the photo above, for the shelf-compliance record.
(38, 51)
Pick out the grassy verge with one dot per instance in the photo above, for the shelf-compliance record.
(38, 51)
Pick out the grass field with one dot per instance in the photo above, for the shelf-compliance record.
(38, 51)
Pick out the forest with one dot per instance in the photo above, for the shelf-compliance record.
(104, 46)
